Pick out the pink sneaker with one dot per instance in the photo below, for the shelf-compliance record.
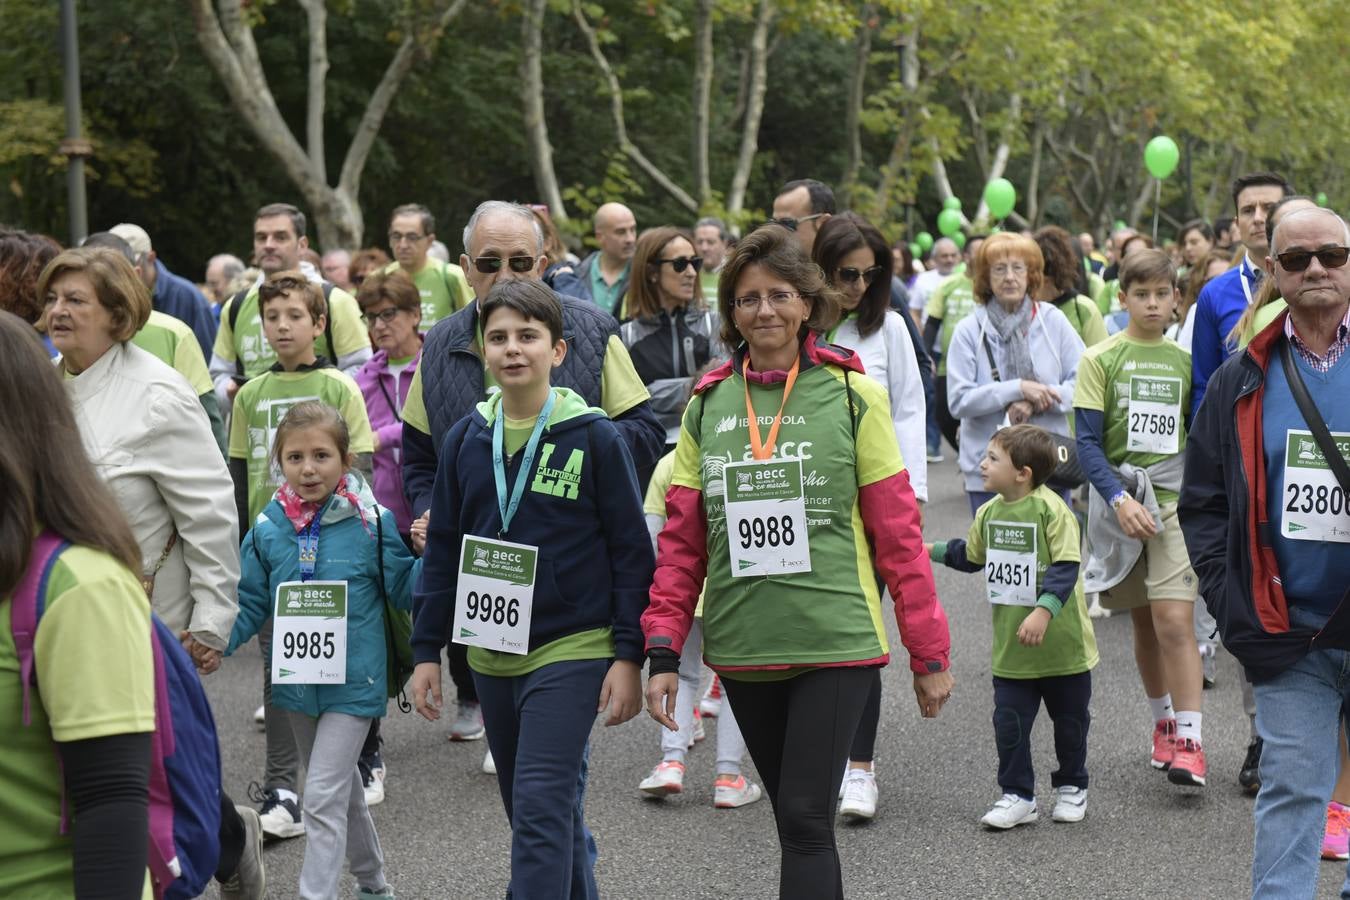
(1336, 839)
(1164, 743)
(1188, 764)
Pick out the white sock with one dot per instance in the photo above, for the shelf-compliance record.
(1188, 725)
(1161, 707)
(283, 794)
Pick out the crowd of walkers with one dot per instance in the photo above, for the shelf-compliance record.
(688, 450)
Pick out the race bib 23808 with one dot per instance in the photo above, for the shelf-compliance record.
(1313, 506)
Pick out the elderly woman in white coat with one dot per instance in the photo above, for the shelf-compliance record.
(144, 429)
(1012, 359)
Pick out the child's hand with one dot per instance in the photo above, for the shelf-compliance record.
(621, 692)
(1032, 630)
(928, 548)
(426, 688)
(1134, 520)
(418, 532)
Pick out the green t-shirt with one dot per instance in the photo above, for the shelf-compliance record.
(172, 342)
(620, 387)
(603, 294)
(93, 662)
(1134, 384)
(708, 282)
(444, 290)
(1085, 318)
(263, 402)
(951, 302)
(1106, 296)
(832, 613)
(1069, 646)
(250, 344)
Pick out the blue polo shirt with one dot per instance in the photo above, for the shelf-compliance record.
(1217, 310)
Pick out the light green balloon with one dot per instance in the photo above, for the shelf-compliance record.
(949, 222)
(1161, 156)
(952, 203)
(959, 239)
(915, 250)
(1000, 196)
(1321, 198)
(925, 242)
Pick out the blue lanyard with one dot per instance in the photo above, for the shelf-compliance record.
(508, 508)
(309, 547)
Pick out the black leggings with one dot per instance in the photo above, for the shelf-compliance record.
(865, 741)
(798, 733)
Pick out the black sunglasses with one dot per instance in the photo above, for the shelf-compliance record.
(1299, 260)
(680, 263)
(848, 274)
(489, 264)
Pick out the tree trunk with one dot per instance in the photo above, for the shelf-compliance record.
(1034, 177)
(862, 48)
(631, 150)
(227, 42)
(999, 164)
(536, 125)
(703, 75)
(754, 108)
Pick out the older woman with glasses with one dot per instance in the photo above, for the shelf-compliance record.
(672, 333)
(788, 494)
(1013, 359)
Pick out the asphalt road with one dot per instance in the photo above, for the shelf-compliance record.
(445, 836)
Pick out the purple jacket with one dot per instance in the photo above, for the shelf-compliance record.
(379, 387)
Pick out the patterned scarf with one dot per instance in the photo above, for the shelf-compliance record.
(301, 512)
(1014, 330)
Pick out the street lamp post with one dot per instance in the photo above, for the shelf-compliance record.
(75, 148)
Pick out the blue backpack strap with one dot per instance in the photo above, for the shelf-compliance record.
(27, 604)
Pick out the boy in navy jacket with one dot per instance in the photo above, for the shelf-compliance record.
(537, 558)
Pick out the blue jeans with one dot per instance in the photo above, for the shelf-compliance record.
(1298, 715)
(537, 728)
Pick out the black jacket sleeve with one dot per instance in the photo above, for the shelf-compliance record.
(1203, 507)
(931, 329)
(239, 475)
(107, 782)
(419, 468)
(642, 433)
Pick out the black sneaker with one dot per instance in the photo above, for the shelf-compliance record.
(280, 818)
(1250, 775)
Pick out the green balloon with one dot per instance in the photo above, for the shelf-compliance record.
(1161, 156)
(960, 240)
(952, 203)
(915, 250)
(1118, 225)
(995, 230)
(1000, 196)
(1321, 198)
(925, 242)
(949, 222)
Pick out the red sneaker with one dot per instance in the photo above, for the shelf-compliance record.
(1336, 838)
(1164, 743)
(1188, 764)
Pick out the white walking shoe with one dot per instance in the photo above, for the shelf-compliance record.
(1010, 811)
(1070, 804)
(860, 795)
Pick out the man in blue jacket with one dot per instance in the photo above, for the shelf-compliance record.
(170, 293)
(1266, 523)
(503, 243)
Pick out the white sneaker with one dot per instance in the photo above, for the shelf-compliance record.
(1209, 666)
(373, 782)
(666, 778)
(468, 725)
(1009, 812)
(280, 818)
(711, 704)
(732, 791)
(260, 717)
(860, 795)
(1070, 804)
(489, 764)
(1095, 608)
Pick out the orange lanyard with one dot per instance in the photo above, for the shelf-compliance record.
(759, 449)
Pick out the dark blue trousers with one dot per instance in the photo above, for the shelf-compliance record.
(537, 727)
(1016, 703)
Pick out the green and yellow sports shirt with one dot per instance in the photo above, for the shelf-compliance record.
(444, 290)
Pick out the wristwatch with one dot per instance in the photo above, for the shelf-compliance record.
(1119, 500)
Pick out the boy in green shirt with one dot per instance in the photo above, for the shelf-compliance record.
(292, 312)
(1026, 542)
(1131, 402)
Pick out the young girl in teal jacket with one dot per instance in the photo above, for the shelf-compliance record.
(316, 548)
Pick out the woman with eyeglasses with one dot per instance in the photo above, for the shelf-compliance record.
(1013, 360)
(672, 332)
(854, 258)
(788, 494)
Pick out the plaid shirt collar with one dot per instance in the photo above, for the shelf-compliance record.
(1320, 364)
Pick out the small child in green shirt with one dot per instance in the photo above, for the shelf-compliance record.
(1026, 542)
